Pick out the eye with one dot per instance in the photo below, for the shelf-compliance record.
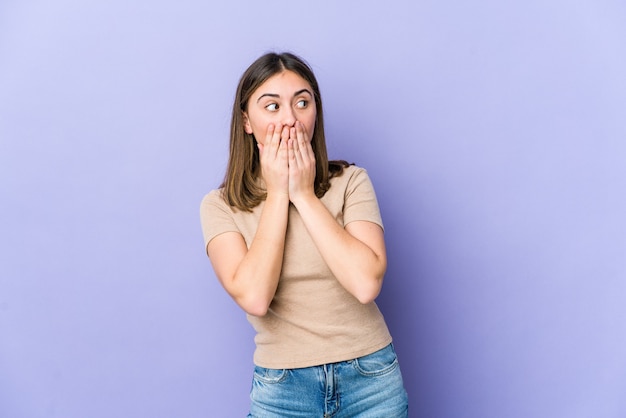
(272, 107)
(301, 104)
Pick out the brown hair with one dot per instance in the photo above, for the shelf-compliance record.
(241, 188)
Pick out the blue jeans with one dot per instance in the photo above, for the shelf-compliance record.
(369, 386)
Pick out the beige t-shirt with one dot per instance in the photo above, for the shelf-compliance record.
(312, 319)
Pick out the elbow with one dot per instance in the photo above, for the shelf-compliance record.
(255, 306)
(259, 311)
(369, 291)
(367, 297)
(254, 301)
(371, 285)
(364, 300)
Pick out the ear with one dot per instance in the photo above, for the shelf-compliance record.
(246, 124)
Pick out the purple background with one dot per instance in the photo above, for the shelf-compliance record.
(494, 133)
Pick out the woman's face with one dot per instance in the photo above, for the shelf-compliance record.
(281, 100)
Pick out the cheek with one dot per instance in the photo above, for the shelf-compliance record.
(259, 130)
(310, 127)
(257, 124)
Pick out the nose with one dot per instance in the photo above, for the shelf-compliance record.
(288, 117)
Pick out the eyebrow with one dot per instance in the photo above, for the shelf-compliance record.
(299, 92)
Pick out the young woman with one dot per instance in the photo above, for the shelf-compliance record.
(297, 241)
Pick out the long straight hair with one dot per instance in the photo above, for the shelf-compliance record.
(241, 186)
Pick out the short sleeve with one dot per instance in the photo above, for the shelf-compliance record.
(360, 203)
(216, 216)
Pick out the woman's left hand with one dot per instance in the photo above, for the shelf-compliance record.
(301, 163)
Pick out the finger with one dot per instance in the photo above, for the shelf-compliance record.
(293, 137)
(291, 153)
(284, 135)
(303, 144)
(302, 131)
(282, 148)
(273, 139)
(300, 135)
(297, 151)
(277, 132)
(268, 137)
(269, 133)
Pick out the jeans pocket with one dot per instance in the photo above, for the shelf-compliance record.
(378, 363)
(269, 376)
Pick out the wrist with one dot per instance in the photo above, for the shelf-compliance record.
(303, 198)
(277, 196)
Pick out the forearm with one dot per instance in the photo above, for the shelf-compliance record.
(257, 276)
(358, 267)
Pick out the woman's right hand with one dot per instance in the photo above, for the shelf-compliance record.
(250, 275)
(274, 159)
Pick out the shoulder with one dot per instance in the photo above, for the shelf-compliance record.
(214, 200)
(216, 216)
(353, 181)
(351, 177)
(214, 195)
(349, 173)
